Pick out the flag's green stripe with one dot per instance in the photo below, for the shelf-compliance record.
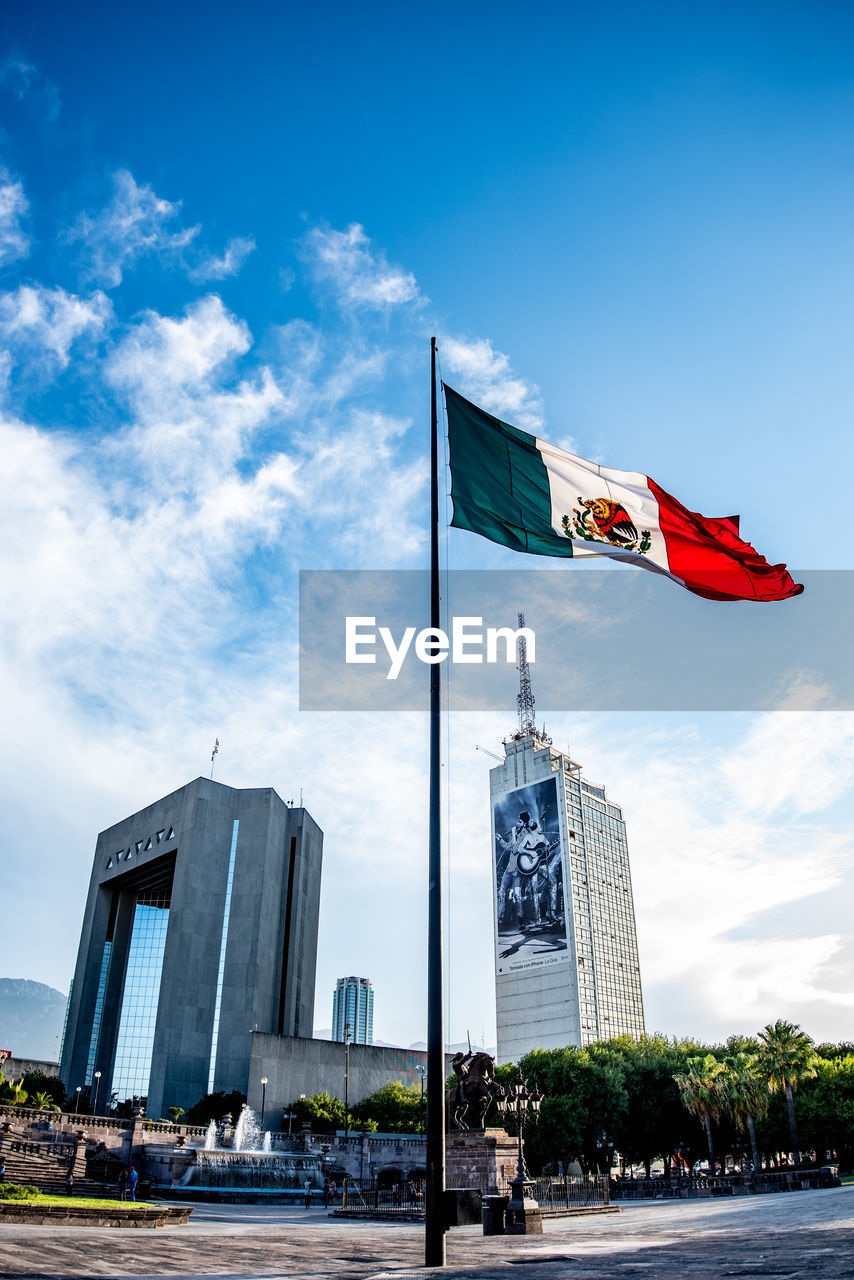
(499, 481)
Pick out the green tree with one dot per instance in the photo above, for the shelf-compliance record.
(826, 1109)
(176, 1113)
(583, 1094)
(396, 1108)
(786, 1056)
(845, 1049)
(745, 1095)
(41, 1082)
(322, 1112)
(213, 1106)
(653, 1123)
(700, 1089)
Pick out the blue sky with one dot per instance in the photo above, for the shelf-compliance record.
(226, 235)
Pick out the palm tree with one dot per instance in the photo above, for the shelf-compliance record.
(746, 1095)
(786, 1056)
(43, 1102)
(700, 1089)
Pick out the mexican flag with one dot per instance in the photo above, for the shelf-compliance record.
(526, 494)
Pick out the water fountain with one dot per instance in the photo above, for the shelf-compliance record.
(250, 1166)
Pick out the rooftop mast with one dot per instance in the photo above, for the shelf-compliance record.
(525, 696)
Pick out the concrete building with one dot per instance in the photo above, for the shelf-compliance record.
(353, 1007)
(200, 925)
(566, 957)
(299, 1066)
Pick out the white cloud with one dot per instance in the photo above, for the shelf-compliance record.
(716, 844)
(485, 376)
(27, 83)
(359, 275)
(228, 263)
(14, 242)
(357, 487)
(38, 320)
(161, 354)
(135, 223)
(192, 419)
(793, 763)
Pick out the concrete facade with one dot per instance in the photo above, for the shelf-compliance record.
(550, 995)
(294, 1065)
(235, 876)
(13, 1068)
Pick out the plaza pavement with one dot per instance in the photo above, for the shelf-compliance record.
(802, 1234)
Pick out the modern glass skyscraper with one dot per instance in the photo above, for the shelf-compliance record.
(200, 927)
(353, 1005)
(566, 957)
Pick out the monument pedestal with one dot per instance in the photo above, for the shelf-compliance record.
(484, 1158)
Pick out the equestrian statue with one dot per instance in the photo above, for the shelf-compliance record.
(476, 1087)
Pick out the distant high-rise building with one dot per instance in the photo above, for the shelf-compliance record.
(201, 924)
(566, 957)
(353, 1005)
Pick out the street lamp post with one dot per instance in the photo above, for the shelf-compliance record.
(605, 1153)
(97, 1087)
(346, 1081)
(290, 1116)
(77, 1098)
(523, 1212)
(263, 1098)
(422, 1071)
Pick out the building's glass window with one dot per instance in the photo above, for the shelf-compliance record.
(65, 1021)
(99, 1009)
(141, 995)
(222, 946)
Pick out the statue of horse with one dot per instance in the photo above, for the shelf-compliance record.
(476, 1087)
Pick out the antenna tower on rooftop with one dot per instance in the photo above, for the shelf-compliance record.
(525, 696)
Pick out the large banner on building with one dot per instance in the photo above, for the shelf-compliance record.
(529, 899)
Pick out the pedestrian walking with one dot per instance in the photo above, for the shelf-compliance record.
(307, 1194)
(326, 1193)
(2, 1169)
(123, 1183)
(133, 1179)
(69, 1183)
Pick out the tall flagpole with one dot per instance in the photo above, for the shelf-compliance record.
(434, 1237)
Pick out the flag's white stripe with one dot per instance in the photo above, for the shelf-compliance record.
(572, 478)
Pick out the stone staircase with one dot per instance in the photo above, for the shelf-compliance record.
(45, 1165)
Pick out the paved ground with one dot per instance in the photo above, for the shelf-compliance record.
(803, 1234)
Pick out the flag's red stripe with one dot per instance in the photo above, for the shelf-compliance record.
(712, 560)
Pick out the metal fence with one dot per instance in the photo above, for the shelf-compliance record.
(554, 1195)
(369, 1195)
(561, 1195)
(739, 1184)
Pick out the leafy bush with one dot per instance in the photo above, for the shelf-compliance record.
(12, 1092)
(17, 1191)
